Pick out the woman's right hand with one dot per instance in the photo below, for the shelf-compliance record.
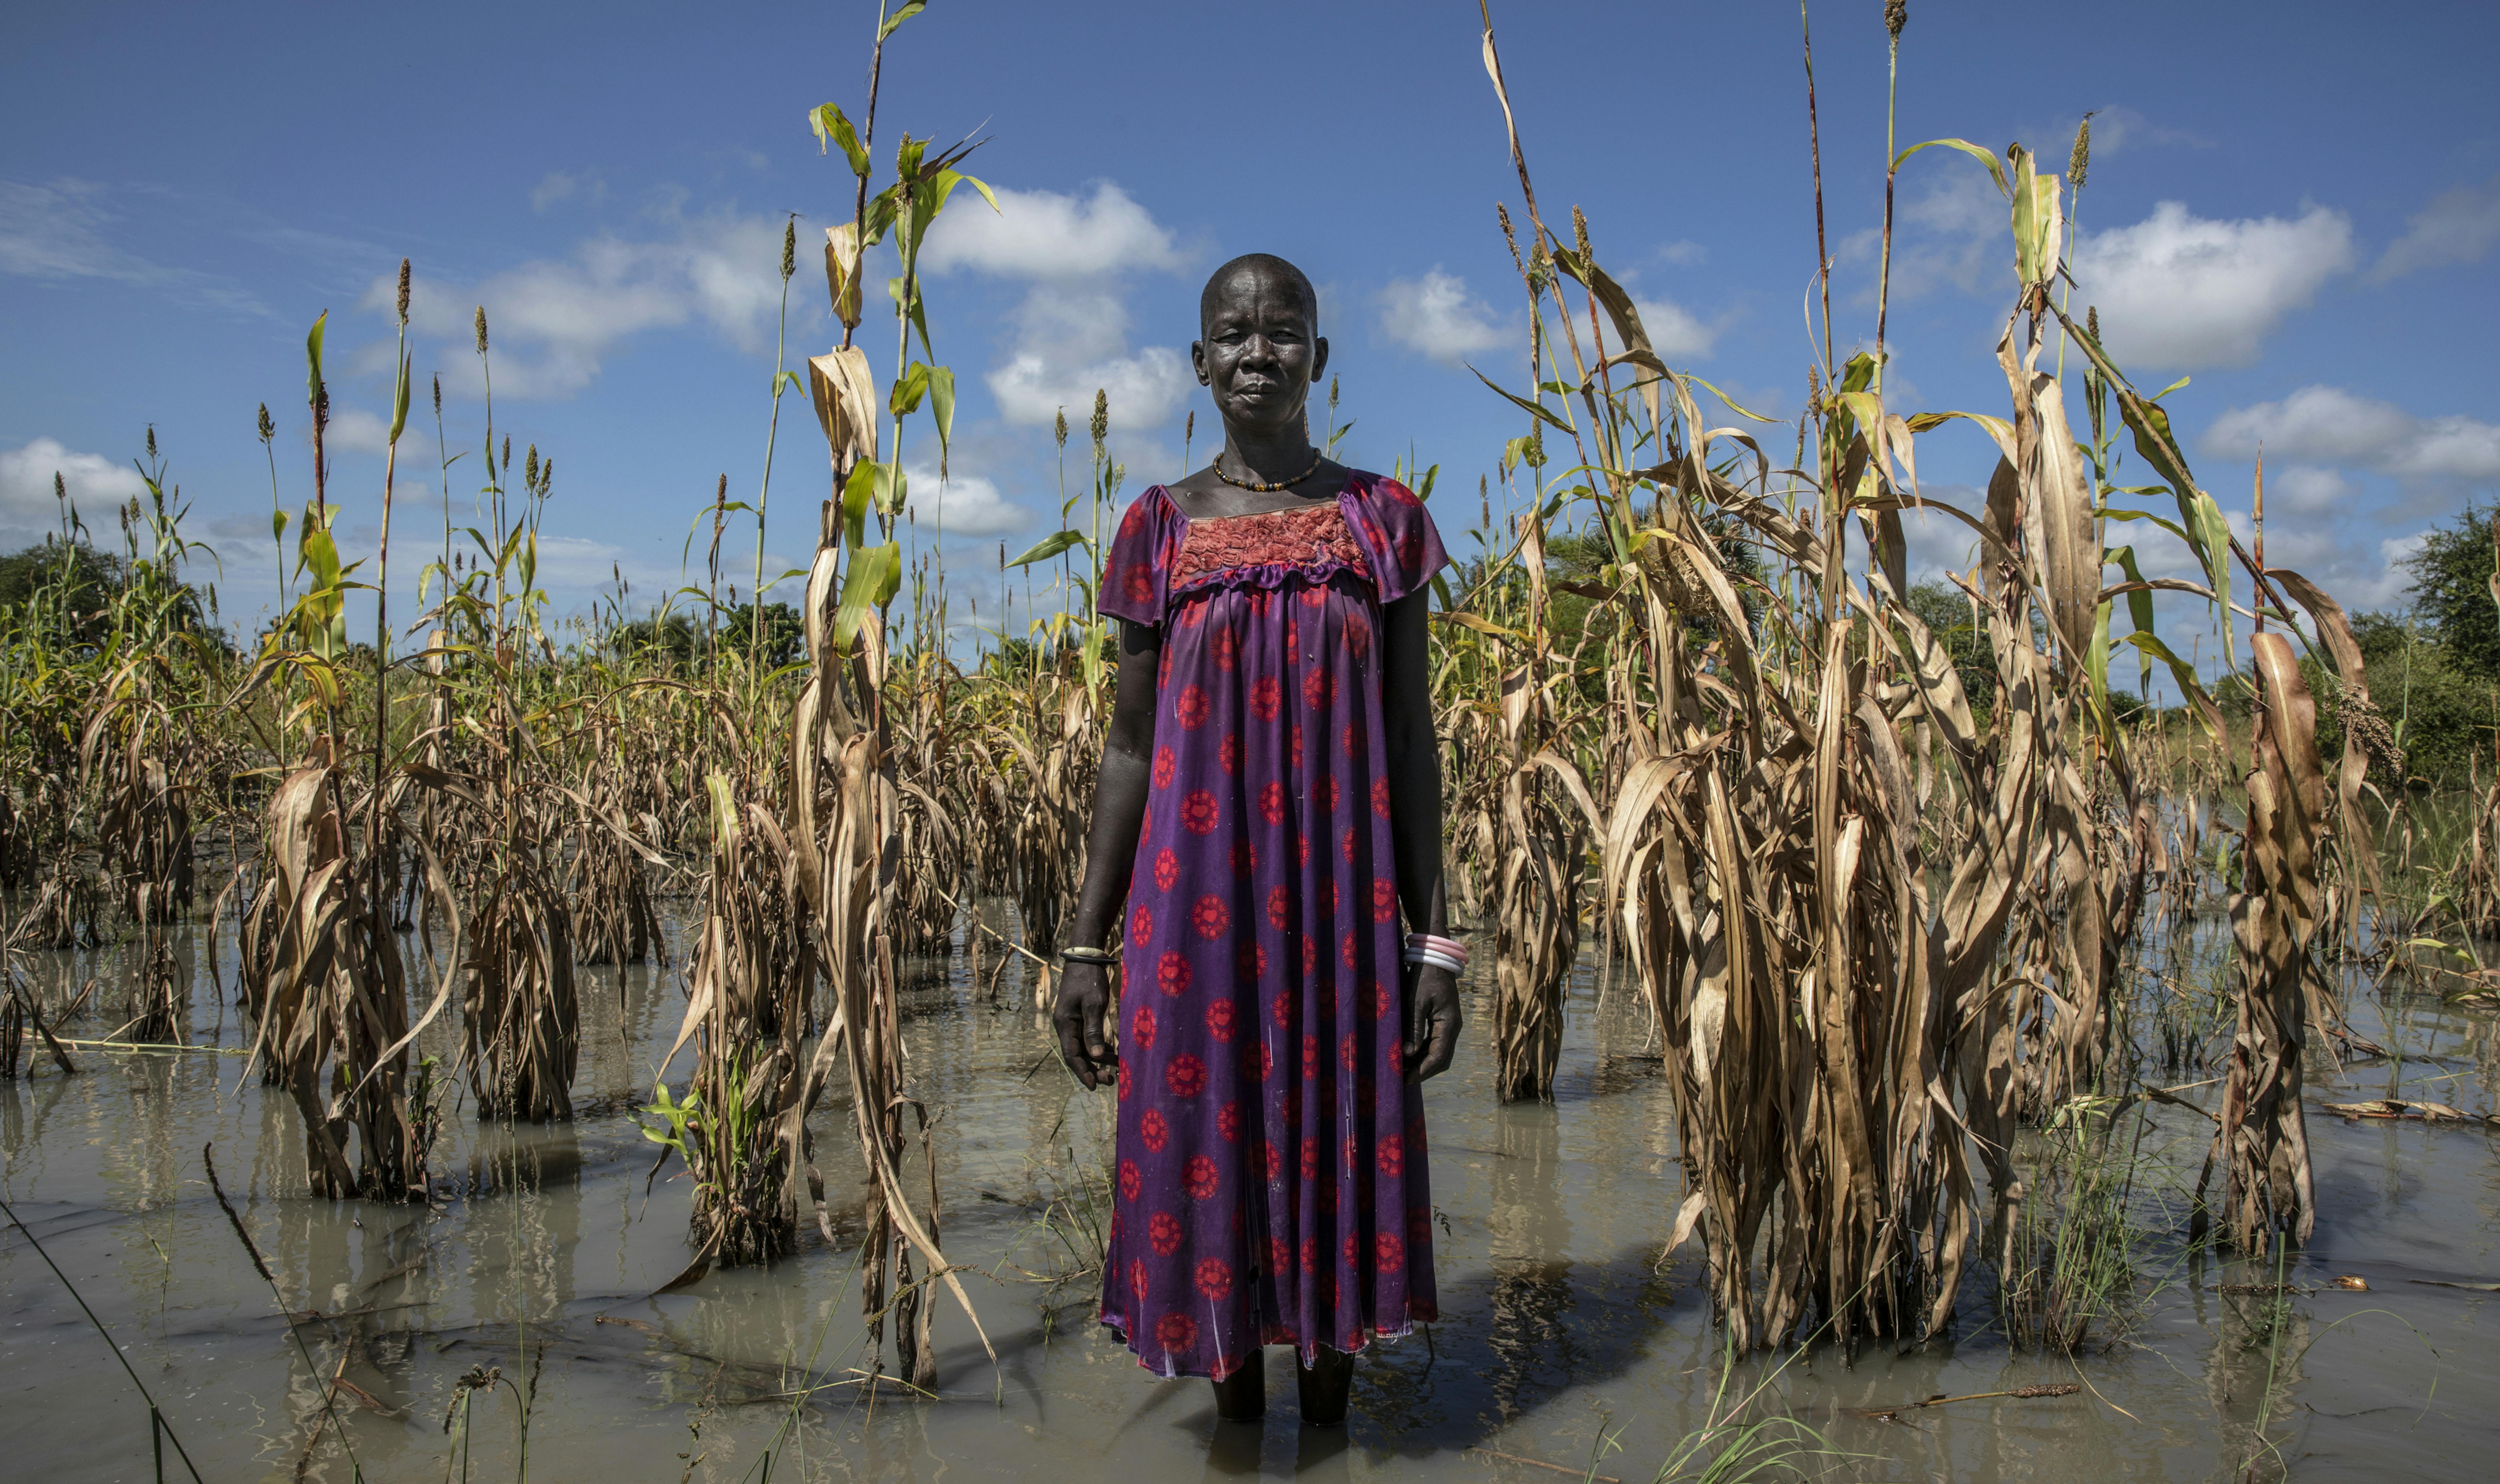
(1084, 995)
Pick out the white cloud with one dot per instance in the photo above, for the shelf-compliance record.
(1072, 331)
(554, 322)
(1684, 253)
(61, 231)
(561, 185)
(94, 484)
(1674, 331)
(2301, 490)
(2181, 292)
(964, 506)
(1435, 317)
(1046, 235)
(1072, 338)
(2327, 425)
(2459, 226)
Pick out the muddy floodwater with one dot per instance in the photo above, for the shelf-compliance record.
(1566, 1340)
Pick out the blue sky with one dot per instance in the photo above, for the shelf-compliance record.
(2296, 205)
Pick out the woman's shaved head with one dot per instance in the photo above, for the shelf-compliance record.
(1262, 265)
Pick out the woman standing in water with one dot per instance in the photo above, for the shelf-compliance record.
(1269, 807)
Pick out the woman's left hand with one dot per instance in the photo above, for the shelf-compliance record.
(1432, 1021)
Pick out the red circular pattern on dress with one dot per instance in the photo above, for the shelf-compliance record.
(1227, 648)
(1310, 1254)
(1352, 739)
(1311, 1057)
(1200, 1178)
(1384, 1003)
(1295, 743)
(1129, 1179)
(1302, 851)
(1228, 753)
(1348, 1051)
(1346, 844)
(1312, 597)
(1249, 962)
(1178, 1331)
(1137, 1277)
(1280, 1253)
(1198, 812)
(1280, 906)
(1142, 1026)
(1163, 671)
(1380, 798)
(1245, 858)
(1311, 1158)
(1214, 1278)
(1167, 868)
(1293, 637)
(1388, 1253)
(1357, 635)
(1141, 924)
(1265, 695)
(1139, 585)
(1328, 899)
(1166, 766)
(1171, 973)
(1324, 791)
(1384, 899)
(1272, 1159)
(1191, 709)
(1186, 1076)
(1272, 803)
(1154, 1131)
(1319, 690)
(1219, 1020)
(1310, 954)
(1163, 1232)
(1124, 1082)
(1228, 1122)
(1350, 950)
(1283, 1007)
(1267, 1061)
(1391, 1155)
(1211, 916)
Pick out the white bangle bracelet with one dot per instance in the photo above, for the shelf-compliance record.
(1437, 961)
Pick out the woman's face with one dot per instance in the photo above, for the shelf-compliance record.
(1260, 356)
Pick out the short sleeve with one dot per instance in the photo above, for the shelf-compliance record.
(1137, 574)
(1398, 537)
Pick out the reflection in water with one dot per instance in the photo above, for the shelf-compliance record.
(1562, 1324)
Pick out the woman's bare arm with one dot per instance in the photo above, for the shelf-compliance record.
(1415, 828)
(1110, 852)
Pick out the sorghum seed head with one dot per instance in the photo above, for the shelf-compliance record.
(789, 248)
(1188, 425)
(1059, 427)
(2092, 322)
(530, 470)
(1100, 426)
(481, 329)
(546, 476)
(268, 429)
(1580, 234)
(1508, 235)
(437, 395)
(1896, 14)
(60, 487)
(720, 492)
(2083, 155)
(152, 440)
(403, 291)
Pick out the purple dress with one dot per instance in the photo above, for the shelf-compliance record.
(1271, 1179)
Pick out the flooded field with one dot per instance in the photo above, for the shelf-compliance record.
(1566, 1341)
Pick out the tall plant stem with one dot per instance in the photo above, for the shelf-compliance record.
(1814, 143)
(1892, 168)
(764, 494)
